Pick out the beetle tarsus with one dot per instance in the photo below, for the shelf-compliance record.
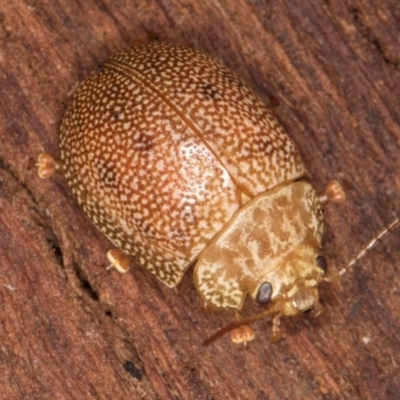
(119, 260)
(276, 333)
(242, 335)
(333, 193)
(46, 165)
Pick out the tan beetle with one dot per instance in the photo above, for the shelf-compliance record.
(178, 162)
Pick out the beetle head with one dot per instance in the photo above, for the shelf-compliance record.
(302, 297)
(292, 286)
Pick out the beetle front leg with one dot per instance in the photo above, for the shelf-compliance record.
(119, 260)
(317, 311)
(333, 193)
(276, 333)
(242, 335)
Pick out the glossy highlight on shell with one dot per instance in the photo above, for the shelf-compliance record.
(163, 145)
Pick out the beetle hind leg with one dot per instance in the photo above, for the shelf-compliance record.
(46, 165)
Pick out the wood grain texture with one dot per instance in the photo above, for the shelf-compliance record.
(71, 329)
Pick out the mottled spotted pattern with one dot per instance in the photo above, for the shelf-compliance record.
(239, 129)
(274, 238)
(160, 144)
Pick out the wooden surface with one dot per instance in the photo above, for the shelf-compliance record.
(70, 329)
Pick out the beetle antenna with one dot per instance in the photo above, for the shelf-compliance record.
(236, 324)
(393, 225)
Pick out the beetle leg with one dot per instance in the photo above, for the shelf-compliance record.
(276, 333)
(119, 260)
(242, 335)
(317, 310)
(333, 193)
(46, 165)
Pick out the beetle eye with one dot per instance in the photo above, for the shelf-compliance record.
(264, 293)
(322, 263)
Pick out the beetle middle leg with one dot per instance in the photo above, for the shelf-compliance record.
(119, 260)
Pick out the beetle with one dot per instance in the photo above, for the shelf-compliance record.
(178, 162)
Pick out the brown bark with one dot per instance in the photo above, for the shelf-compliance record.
(70, 329)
